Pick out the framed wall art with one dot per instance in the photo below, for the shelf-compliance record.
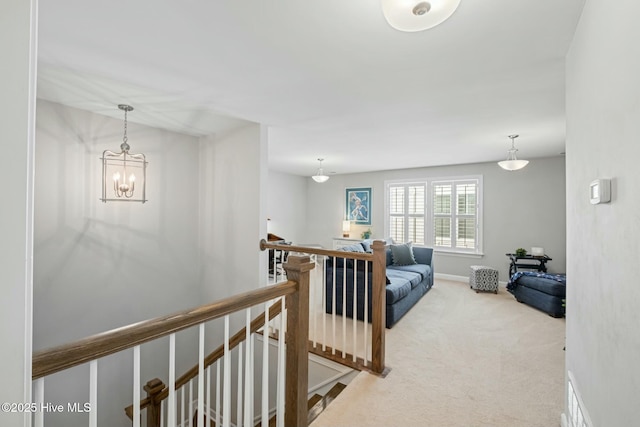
(358, 205)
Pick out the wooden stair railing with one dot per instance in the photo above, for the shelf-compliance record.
(296, 294)
(157, 391)
(56, 359)
(378, 300)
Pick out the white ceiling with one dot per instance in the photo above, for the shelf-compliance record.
(331, 78)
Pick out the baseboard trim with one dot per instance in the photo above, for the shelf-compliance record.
(451, 277)
(462, 279)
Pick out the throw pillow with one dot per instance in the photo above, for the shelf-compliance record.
(366, 244)
(402, 254)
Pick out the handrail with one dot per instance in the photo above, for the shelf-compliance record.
(214, 356)
(316, 251)
(56, 359)
(378, 293)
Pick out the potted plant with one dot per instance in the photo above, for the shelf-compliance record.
(366, 234)
(521, 252)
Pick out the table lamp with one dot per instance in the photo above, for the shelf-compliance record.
(346, 228)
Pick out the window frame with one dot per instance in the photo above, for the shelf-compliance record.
(406, 215)
(429, 215)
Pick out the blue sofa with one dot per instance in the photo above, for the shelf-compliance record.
(406, 284)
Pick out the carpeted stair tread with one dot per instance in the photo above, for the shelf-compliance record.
(326, 400)
(314, 399)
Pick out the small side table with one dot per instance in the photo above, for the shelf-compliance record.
(537, 263)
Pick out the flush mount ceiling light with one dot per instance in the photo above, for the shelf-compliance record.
(124, 174)
(512, 163)
(320, 176)
(417, 15)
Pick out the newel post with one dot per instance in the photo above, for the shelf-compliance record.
(153, 388)
(378, 305)
(297, 339)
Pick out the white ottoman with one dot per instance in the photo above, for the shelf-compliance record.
(483, 278)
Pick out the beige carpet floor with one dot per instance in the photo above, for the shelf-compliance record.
(461, 359)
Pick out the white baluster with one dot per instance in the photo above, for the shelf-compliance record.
(201, 378)
(354, 319)
(344, 309)
(226, 399)
(265, 369)
(190, 403)
(136, 386)
(312, 306)
(171, 403)
(239, 388)
(182, 414)
(38, 393)
(218, 393)
(365, 356)
(333, 305)
(324, 303)
(208, 395)
(281, 369)
(248, 373)
(93, 393)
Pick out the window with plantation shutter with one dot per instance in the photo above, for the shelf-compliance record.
(455, 215)
(406, 219)
(441, 213)
(442, 216)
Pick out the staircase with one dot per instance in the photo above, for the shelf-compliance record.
(317, 403)
(321, 402)
(286, 311)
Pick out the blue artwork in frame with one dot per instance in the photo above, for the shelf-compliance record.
(358, 205)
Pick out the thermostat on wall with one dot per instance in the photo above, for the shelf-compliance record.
(600, 191)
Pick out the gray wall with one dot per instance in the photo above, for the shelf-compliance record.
(100, 265)
(116, 262)
(287, 207)
(521, 209)
(229, 240)
(603, 124)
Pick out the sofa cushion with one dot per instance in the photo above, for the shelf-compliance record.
(423, 270)
(547, 286)
(402, 254)
(399, 288)
(412, 277)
